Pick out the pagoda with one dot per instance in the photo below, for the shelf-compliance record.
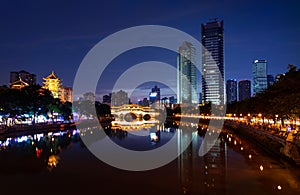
(52, 83)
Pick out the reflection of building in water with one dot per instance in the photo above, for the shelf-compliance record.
(133, 117)
(214, 170)
(185, 159)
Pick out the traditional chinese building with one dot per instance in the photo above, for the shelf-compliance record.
(19, 84)
(53, 83)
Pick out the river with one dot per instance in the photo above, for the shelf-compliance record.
(56, 163)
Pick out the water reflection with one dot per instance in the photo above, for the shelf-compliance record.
(43, 148)
(232, 166)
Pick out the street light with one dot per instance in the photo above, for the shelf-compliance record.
(259, 114)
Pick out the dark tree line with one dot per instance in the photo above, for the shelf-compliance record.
(31, 100)
(282, 99)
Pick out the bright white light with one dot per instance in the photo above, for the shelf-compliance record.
(153, 136)
(279, 187)
(21, 139)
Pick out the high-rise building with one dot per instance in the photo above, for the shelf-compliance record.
(259, 70)
(213, 62)
(231, 90)
(154, 95)
(23, 76)
(53, 83)
(186, 74)
(65, 93)
(270, 80)
(244, 89)
(89, 96)
(119, 98)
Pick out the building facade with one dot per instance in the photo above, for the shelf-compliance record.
(154, 95)
(65, 94)
(119, 98)
(186, 74)
(244, 89)
(212, 39)
(259, 70)
(231, 90)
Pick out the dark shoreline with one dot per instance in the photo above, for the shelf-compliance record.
(33, 129)
(266, 143)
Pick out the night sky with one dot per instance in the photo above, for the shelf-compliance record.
(41, 36)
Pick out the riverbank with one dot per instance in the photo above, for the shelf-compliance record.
(273, 145)
(18, 130)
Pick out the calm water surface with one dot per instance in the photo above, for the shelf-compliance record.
(60, 163)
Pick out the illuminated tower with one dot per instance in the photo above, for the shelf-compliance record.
(213, 62)
(52, 83)
(259, 69)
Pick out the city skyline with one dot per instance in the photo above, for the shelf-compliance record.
(48, 44)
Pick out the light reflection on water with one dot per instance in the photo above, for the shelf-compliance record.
(233, 165)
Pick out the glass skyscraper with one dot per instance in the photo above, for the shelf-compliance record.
(213, 62)
(259, 70)
(231, 90)
(186, 74)
(244, 89)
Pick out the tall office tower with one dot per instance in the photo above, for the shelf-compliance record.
(24, 76)
(186, 74)
(259, 70)
(213, 62)
(154, 95)
(231, 90)
(244, 89)
(270, 80)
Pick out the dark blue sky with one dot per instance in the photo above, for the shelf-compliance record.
(41, 36)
